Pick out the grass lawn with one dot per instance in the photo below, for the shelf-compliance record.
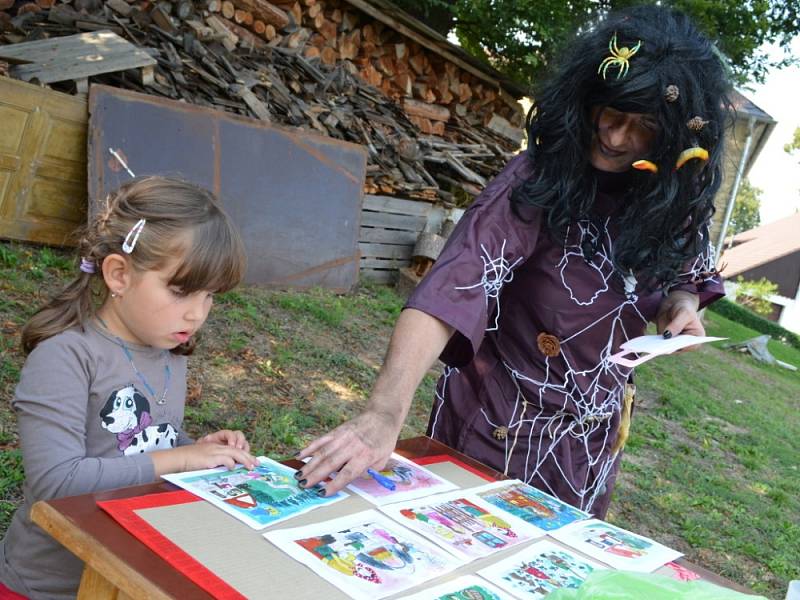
(711, 467)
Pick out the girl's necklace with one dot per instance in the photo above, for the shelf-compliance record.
(161, 401)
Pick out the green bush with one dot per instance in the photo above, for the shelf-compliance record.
(734, 312)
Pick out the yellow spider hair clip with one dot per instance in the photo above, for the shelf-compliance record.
(619, 57)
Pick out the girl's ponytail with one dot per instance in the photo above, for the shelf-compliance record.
(70, 307)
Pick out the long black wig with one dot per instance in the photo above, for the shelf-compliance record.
(664, 218)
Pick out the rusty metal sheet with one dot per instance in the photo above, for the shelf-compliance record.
(296, 197)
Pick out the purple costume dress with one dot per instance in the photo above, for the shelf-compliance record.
(544, 411)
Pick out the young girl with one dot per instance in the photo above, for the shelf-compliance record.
(101, 396)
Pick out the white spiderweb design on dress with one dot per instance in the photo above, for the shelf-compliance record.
(703, 268)
(589, 397)
(496, 273)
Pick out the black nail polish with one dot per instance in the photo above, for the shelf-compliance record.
(302, 482)
(321, 492)
(298, 475)
(667, 334)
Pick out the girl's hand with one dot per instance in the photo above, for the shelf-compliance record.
(205, 455)
(234, 439)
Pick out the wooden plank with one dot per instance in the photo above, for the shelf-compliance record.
(379, 263)
(384, 250)
(83, 545)
(387, 236)
(390, 221)
(75, 57)
(400, 206)
(379, 276)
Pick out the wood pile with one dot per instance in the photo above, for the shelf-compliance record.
(432, 131)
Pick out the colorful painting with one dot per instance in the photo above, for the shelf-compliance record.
(540, 569)
(468, 587)
(366, 555)
(463, 524)
(262, 497)
(617, 547)
(410, 481)
(530, 504)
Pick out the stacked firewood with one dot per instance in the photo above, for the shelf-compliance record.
(302, 65)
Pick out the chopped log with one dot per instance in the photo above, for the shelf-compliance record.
(401, 51)
(246, 37)
(336, 15)
(270, 33)
(328, 56)
(368, 32)
(349, 20)
(428, 111)
(214, 6)
(311, 52)
(405, 82)
(297, 13)
(30, 7)
(45, 3)
(417, 63)
(242, 17)
(327, 29)
(228, 9)
(314, 10)
(349, 45)
(229, 39)
(259, 27)
(385, 65)
(201, 32)
(267, 12)
(184, 10)
(298, 38)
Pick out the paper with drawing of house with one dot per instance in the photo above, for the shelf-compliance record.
(410, 480)
(262, 497)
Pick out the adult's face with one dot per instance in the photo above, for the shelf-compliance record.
(620, 138)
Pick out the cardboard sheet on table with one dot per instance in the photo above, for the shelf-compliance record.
(255, 568)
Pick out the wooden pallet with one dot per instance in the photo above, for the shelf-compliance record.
(76, 57)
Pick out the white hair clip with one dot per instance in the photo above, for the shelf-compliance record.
(129, 244)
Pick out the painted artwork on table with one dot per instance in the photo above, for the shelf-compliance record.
(540, 569)
(463, 524)
(530, 504)
(617, 547)
(262, 497)
(410, 481)
(468, 587)
(366, 555)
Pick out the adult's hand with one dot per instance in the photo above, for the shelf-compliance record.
(349, 450)
(678, 314)
(368, 440)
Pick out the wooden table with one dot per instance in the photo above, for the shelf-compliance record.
(119, 566)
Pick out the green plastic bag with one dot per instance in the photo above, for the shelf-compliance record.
(624, 585)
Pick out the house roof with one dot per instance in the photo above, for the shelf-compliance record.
(762, 245)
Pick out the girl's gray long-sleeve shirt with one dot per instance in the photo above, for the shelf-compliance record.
(86, 423)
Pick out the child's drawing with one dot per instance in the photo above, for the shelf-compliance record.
(530, 504)
(539, 570)
(366, 555)
(616, 547)
(463, 524)
(262, 497)
(410, 480)
(468, 587)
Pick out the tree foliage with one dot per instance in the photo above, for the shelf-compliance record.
(755, 294)
(745, 213)
(794, 144)
(520, 37)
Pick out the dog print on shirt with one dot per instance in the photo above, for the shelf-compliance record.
(127, 414)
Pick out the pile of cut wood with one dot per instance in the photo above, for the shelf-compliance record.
(322, 67)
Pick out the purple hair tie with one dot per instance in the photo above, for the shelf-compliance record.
(87, 266)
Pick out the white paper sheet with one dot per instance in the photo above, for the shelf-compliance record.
(655, 345)
(366, 555)
(260, 498)
(615, 546)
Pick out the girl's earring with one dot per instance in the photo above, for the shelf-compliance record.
(115, 294)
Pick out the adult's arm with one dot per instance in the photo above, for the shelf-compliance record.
(368, 439)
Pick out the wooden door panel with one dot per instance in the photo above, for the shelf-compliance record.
(42, 163)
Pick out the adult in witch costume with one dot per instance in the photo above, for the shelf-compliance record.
(598, 228)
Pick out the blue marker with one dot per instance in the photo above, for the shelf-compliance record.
(384, 481)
